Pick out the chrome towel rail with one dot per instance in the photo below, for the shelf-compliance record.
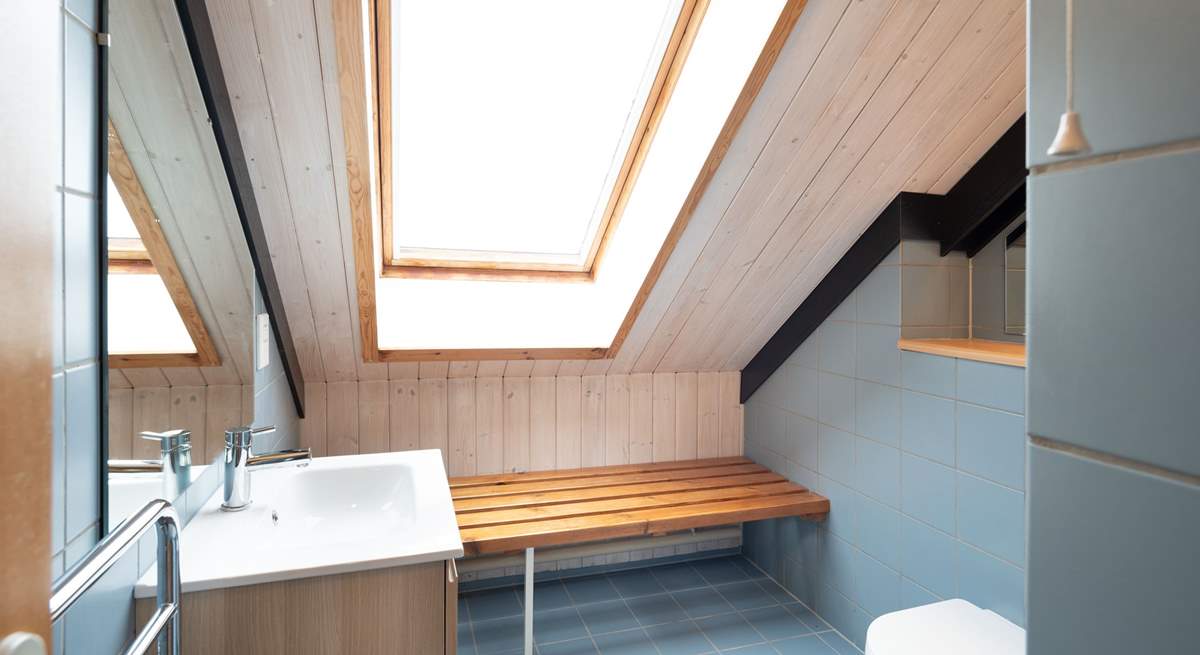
(163, 626)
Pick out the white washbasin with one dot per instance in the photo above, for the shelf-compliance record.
(337, 515)
(129, 492)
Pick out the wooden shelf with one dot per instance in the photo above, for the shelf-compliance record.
(980, 350)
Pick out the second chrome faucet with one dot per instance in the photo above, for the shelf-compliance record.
(240, 461)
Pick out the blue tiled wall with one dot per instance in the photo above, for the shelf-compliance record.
(922, 457)
(1114, 365)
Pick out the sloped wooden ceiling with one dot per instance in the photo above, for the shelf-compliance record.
(869, 98)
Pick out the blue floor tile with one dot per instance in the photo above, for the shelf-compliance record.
(748, 567)
(778, 593)
(557, 625)
(702, 602)
(464, 614)
(757, 649)
(499, 635)
(466, 640)
(576, 647)
(729, 631)
(493, 604)
(810, 645)
(605, 617)
(592, 589)
(659, 608)
(746, 595)
(632, 584)
(809, 619)
(839, 644)
(681, 638)
(630, 642)
(675, 577)
(549, 596)
(776, 623)
(720, 571)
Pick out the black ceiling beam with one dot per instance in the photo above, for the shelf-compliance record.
(202, 46)
(909, 216)
(990, 183)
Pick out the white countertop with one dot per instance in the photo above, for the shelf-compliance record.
(337, 515)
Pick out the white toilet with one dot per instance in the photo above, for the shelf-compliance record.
(950, 627)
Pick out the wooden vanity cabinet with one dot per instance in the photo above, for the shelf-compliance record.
(405, 610)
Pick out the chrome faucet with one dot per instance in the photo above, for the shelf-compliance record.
(174, 461)
(239, 462)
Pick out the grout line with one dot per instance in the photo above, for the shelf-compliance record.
(1115, 460)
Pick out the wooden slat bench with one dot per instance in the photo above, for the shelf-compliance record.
(515, 511)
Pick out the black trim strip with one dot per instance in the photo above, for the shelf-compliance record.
(102, 261)
(1014, 235)
(197, 29)
(988, 186)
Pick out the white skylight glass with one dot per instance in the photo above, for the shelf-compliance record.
(118, 223)
(142, 318)
(510, 122)
(448, 314)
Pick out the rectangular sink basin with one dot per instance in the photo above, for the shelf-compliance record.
(337, 515)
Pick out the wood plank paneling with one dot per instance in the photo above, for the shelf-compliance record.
(341, 418)
(708, 415)
(151, 413)
(641, 418)
(664, 417)
(616, 419)
(516, 424)
(461, 425)
(374, 413)
(543, 421)
(120, 423)
(188, 413)
(404, 427)
(489, 424)
(312, 427)
(569, 422)
(687, 415)
(431, 392)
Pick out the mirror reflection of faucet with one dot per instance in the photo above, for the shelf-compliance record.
(174, 462)
(240, 461)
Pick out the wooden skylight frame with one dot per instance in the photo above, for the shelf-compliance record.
(152, 255)
(357, 42)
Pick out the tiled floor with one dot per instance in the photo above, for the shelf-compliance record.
(723, 605)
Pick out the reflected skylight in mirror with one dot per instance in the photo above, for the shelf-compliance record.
(511, 120)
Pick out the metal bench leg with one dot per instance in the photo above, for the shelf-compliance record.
(528, 601)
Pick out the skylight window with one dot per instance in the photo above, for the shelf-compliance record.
(513, 126)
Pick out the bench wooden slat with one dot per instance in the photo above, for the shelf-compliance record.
(466, 506)
(516, 536)
(604, 480)
(666, 499)
(537, 476)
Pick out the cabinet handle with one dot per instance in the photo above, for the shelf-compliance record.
(452, 572)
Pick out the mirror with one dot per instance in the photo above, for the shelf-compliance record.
(1014, 281)
(180, 279)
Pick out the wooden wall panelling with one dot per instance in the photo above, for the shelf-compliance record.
(439, 369)
(521, 368)
(374, 410)
(405, 407)
(543, 423)
(188, 412)
(146, 377)
(341, 418)
(491, 369)
(117, 380)
(461, 425)
(687, 415)
(489, 424)
(708, 415)
(462, 369)
(641, 418)
(591, 424)
(572, 367)
(312, 426)
(729, 383)
(568, 422)
(516, 424)
(980, 53)
(663, 421)
(151, 412)
(976, 124)
(403, 370)
(871, 46)
(616, 419)
(812, 31)
(545, 368)
(223, 410)
(431, 392)
(120, 423)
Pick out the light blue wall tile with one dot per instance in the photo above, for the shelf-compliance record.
(992, 385)
(846, 311)
(837, 455)
(1112, 558)
(929, 492)
(837, 347)
(877, 412)
(57, 305)
(991, 444)
(1121, 104)
(85, 10)
(992, 518)
(876, 587)
(992, 584)
(83, 448)
(841, 507)
(838, 560)
(804, 439)
(806, 354)
(930, 558)
(82, 308)
(803, 391)
(878, 531)
(837, 401)
(879, 297)
(914, 595)
(803, 476)
(918, 252)
(928, 373)
(80, 143)
(58, 468)
(927, 426)
(842, 614)
(102, 620)
(925, 296)
(878, 357)
(1137, 399)
(877, 470)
